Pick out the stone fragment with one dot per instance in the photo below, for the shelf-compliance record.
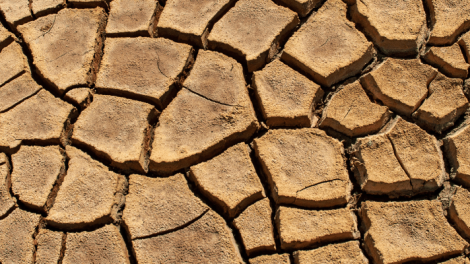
(458, 211)
(403, 161)
(104, 245)
(255, 227)
(348, 252)
(287, 98)
(400, 84)
(445, 104)
(17, 91)
(300, 228)
(399, 232)
(132, 18)
(229, 180)
(449, 60)
(16, 237)
(189, 21)
(6, 201)
(350, 112)
(45, 7)
(35, 172)
(159, 205)
(253, 31)
(457, 152)
(14, 62)
(6, 37)
(271, 259)
(146, 69)
(66, 47)
(458, 260)
(15, 12)
(397, 27)
(49, 245)
(41, 118)
(304, 167)
(79, 96)
(208, 240)
(116, 129)
(449, 19)
(302, 7)
(89, 195)
(212, 111)
(319, 48)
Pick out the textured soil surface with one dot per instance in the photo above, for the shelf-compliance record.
(235, 131)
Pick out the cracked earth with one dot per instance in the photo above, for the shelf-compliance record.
(235, 131)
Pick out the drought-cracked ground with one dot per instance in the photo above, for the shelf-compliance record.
(225, 131)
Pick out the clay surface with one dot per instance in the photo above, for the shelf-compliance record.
(401, 85)
(399, 232)
(458, 154)
(397, 27)
(348, 252)
(148, 70)
(304, 167)
(256, 227)
(16, 12)
(189, 21)
(16, 237)
(40, 118)
(351, 112)
(300, 228)
(287, 98)
(116, 129)
(450, 18)
(171, 202)
(35, 172)
(404, 160)
(65, 45)
(253, 30)
(449, 60)
(319, 49)
(458, 211)
(271, 259)
(132, 18)
(104, 245)
(14, 62)
(89, 195)
(17, 91)
(446, 102)
(211, 112)
(49, 246)
(229, 180)
(208, 240)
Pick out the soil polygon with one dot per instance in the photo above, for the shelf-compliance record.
(15, 12)
(45, 7)
(208, 240)
(89, 195)
(253, 31)
(300, 228)
(348, 252)
(304, 167)
(458, 211)
(287, 98)
(449, 60)
(271, 259)
(229, 180)
(17, 90)
(35, 171)
(449, 19)
(457, 152)
(146, 69)
(302, 7)
(351, 112)
(189, 21)
(399, 232)
(14, 62)
(159, 205)
(132, 18)
(116, 129)
(210, 113)
(79, 96)
(49, 245)
(319, 48)
(66, 47)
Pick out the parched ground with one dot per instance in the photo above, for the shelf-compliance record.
(234, 131)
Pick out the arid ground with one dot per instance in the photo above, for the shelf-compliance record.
(234, 131)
